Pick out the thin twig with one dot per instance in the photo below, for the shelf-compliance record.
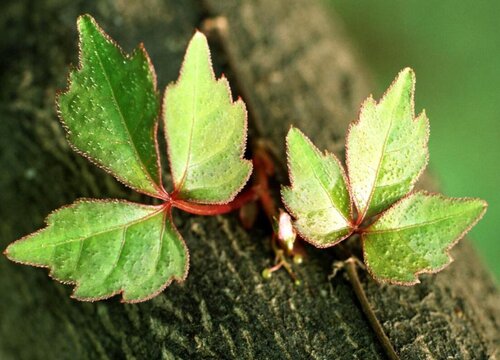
(352, 272)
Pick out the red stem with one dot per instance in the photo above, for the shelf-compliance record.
(217, 209)
(263, 168)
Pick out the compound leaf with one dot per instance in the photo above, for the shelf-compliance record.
(205, 131)
(387, 148)
(107, 248)
(110, 109)
(415, 234)
(318, 197)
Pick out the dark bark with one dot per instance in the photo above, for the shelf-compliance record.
(293, 65)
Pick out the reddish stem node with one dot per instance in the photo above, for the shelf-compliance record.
(216, 209)
(263, 168)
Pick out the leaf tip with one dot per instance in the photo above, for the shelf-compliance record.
(292, 132)
(10, 251)
(403, 86)
(407, 75)
(198, 39)
(484, 203)
(482, 206)
(199, 34)
(296, 136)
(477, 208)
(13, 254)
(84, 22)
(5, 252)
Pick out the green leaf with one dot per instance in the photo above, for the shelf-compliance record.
(318, 197)
(205, 131)
(387, 148)
(110, 109)
(107, 248)
(415, 235)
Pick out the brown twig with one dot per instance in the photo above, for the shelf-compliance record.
(384, 340)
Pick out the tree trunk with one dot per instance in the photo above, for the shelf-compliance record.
(293, 65)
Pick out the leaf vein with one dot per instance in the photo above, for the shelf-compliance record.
(83, 238)
(412, 226)
(333, 205)
(178, 188)
(124, 123)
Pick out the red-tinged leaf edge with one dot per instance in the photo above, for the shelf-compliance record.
(161, 208)
(162, 193)
(447, 250)
(239, 100)
(344, 176)
(356, 122)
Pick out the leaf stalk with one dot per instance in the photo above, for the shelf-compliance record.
(243, 198)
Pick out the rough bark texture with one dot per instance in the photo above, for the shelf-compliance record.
(295, 66)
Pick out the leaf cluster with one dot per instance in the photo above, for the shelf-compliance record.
(404, 233)
(111, 111)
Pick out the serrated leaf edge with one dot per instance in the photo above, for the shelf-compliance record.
(162, 193)
(422, 115)
(344, 176)
(446, 250)
(224, 80)
(76, 284)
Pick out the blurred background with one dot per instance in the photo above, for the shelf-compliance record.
(454, 47)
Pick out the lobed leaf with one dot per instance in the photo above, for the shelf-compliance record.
(110, 109)
(205, 131)
(318, 197)
(415, 234)
(107, 248)
(387, 148)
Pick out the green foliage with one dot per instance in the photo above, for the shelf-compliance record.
(387, 148)
(386, 153)
(111, 111)
(207, 165)
(107, 248)
(415, 234)
(111, 107)
(318, 197)
(463, 95)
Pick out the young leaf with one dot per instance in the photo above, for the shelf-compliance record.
(387, 148)
(107, 248)
(110, 109)
(318, 197)
(415, 235)
(205, 131)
